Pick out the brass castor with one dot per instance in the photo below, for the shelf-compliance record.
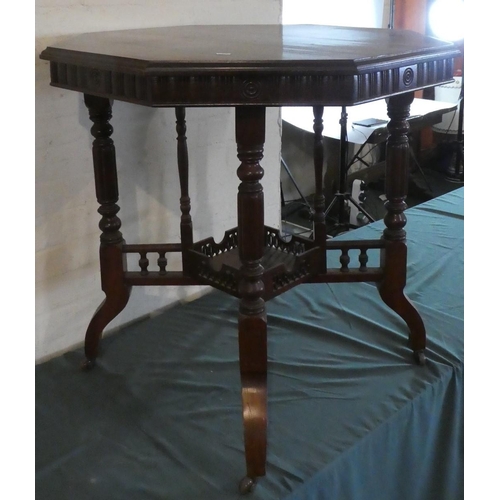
(247, 485)
(420, 357)
(87, 364)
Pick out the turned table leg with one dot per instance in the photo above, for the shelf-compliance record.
(185, 201)
(394, 254)
(319, 197)
(252, 321)
(112, 260)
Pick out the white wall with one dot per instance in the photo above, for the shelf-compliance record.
(67, 234)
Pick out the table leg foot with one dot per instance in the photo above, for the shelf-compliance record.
(420, 357)
(253, 361)
(107, 311)
(400, 304)
(247, 485)
(87, 364)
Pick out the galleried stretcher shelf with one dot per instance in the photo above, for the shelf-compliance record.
(251, 68)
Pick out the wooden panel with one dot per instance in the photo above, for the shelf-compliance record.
(411, 15)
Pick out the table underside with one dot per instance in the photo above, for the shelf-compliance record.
(287, 263)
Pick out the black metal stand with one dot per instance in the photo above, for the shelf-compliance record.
(415, 160)
(339, 206)
(455, 172)
(342, 197)
(302, 197)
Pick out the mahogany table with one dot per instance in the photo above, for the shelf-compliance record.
(251, 68)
